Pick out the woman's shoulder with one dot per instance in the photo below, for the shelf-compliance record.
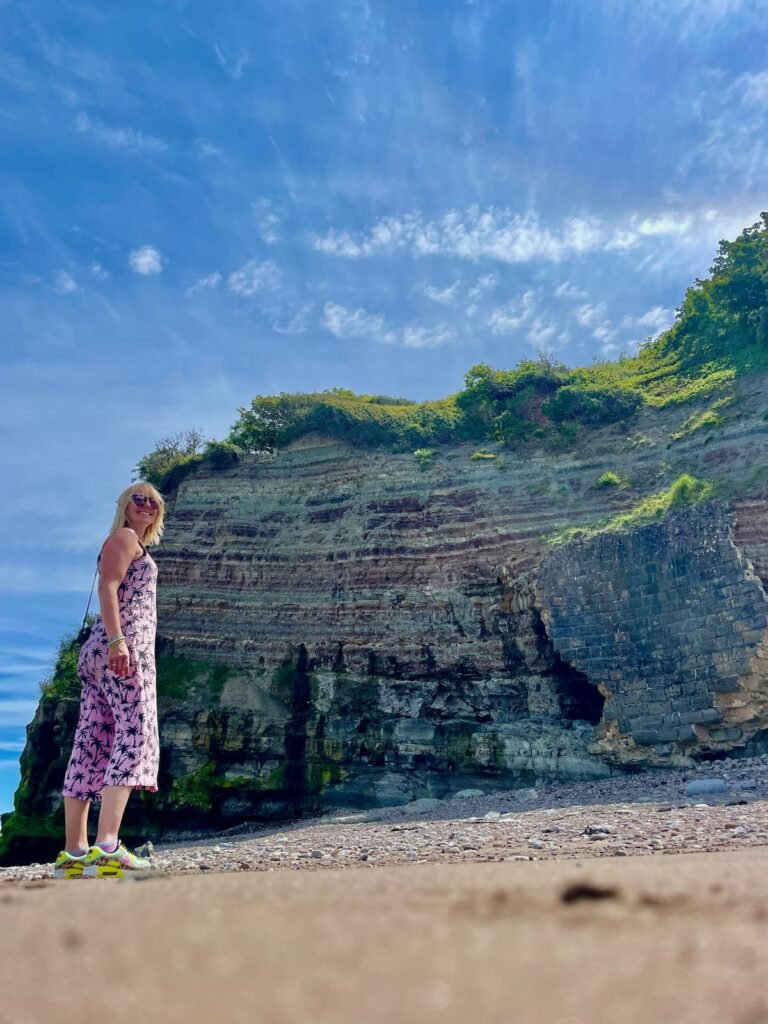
(124, 539)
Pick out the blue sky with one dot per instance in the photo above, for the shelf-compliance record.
(201, 204)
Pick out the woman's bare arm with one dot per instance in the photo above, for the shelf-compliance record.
(121, 548)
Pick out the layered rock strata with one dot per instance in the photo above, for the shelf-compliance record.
(341, 625)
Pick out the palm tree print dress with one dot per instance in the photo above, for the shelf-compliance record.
(116, 742)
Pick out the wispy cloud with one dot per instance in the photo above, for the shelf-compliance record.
(693, 18)
(295, 323)
(205, 148)
(99, 271)
(268, 220)
(512, 316)
(233, 65)
(542, 332)
(128, 139)
(359, 324)
(495, 233)
(484, 284)
(254, 277)
(524, 318)
(566, 290)
(589, 315)
(64, 283)
(734, 114)
(754, 89)
(655, 320)
(209, 282)
(443, 296)
(146, 261)
(504, 235)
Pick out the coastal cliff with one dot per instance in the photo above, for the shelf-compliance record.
(351, 626)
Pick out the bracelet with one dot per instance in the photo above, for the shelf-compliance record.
(115, 640)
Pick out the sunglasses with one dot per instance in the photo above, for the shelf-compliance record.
(140, 500)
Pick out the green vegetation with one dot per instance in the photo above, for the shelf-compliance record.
(609, 480)
(686, 490)
(425, 457)
(176, 674)
(174, 458)
(720, 332)
(64, 682)
(198, 788)
(706, 420)
(593, 404)
(171, 454)
(274, 421)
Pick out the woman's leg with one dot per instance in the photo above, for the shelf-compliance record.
(76, 821)
(113, 801)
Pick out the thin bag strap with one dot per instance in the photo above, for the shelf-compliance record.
(88, 606)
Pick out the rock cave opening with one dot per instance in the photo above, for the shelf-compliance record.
(579, 699)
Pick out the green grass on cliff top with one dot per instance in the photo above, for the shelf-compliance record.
(720, 333)
(686, 490)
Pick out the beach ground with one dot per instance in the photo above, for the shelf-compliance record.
(605, 940)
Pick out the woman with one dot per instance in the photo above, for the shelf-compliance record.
(116, 744)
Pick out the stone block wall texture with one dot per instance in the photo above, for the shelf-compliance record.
(669, 621)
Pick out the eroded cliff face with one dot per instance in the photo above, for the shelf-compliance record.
(339, 625)
(393, 632)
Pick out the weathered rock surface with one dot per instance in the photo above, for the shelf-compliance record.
(339, 626)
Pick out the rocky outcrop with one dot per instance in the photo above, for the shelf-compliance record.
(669, 621)
(348, 626)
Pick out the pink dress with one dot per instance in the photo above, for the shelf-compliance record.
(116, 742)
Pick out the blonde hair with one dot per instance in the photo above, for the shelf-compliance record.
(153, 534)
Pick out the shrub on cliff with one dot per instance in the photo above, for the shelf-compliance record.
(167, 454)
(272, 422)
(64, 681)
(592, 404)
(166, 468)
(725, 317)
(505, 405)
(222, 454)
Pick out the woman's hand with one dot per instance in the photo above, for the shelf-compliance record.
(119, 659)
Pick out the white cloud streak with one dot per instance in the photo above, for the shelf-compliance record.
(566, 290)
(498, 233)
(358, 324)
(512, 316)
(268, 220)
(128, 139)
(443, 296)
(209, 282)
(254, 277)
(484, 284)
(589, 315)
(655, 320)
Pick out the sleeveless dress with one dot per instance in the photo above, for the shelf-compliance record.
(116, 741)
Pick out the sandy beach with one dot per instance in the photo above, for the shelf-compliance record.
(585, 941)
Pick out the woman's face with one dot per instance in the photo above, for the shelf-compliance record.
(140, 512)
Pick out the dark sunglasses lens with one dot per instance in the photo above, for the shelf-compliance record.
(140, 500)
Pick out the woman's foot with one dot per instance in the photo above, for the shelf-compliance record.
(111, 861)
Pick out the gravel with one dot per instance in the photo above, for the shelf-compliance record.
(647, 813)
